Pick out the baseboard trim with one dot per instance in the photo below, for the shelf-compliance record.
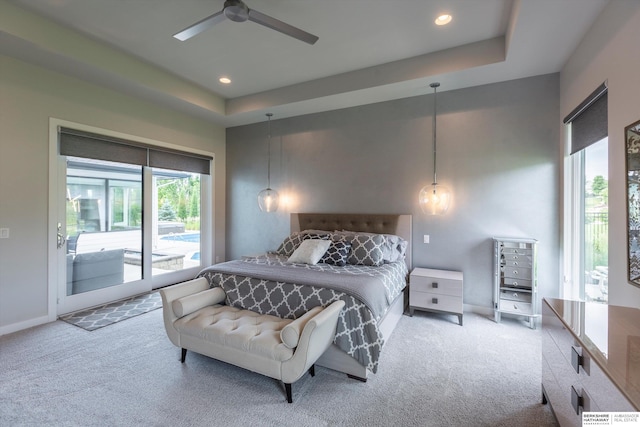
(479, 309)
(19, 326)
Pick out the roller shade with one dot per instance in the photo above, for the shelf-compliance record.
(101, 147)
(589, 121)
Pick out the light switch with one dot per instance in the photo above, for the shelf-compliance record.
(4, 233)
(426, 238)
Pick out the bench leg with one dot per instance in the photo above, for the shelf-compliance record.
(312, 370)
(353, 377)
(184, 355)
(288, 388)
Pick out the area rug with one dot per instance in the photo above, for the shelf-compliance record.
(108, 314)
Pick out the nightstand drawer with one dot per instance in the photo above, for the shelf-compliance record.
(435, 285)
(439, 302)
(515, 307)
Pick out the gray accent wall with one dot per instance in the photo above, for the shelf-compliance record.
(498, 151)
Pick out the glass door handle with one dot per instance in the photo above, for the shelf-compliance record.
(61, 238)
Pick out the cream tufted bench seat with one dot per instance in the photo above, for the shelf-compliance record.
(284, 349)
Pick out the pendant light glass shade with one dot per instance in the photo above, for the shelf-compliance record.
(434, 199)
(268, 198)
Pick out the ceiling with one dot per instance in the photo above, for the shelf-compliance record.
(368, 50)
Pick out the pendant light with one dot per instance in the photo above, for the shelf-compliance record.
(434, 199)
(268, 198)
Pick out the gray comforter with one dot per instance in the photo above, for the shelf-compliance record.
(270, 285)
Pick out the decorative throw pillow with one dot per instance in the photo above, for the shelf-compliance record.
(315, 235)
(367, 250)
(290, 244)
(337, 254)
(310, 251)
(393, 249)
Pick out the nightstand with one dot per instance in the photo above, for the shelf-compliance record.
(436, 291)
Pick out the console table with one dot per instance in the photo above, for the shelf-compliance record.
(590, 358)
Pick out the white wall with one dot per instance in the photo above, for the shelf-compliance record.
(610, 52)
(29, 96)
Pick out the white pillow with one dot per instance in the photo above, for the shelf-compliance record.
(310, 251)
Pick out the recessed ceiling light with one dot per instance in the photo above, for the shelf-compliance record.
(443, 19)
(225, 80)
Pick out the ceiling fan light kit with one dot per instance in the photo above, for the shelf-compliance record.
(238, 11)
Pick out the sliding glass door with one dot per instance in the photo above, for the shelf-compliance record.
(125, 228)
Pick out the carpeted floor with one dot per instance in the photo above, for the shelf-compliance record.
(432, 373)
(108, 314)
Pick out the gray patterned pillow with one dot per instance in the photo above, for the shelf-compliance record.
(367, 250)
(290, 244)
(337, 254)
(393, 249)
(315, 235)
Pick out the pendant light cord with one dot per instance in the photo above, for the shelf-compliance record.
(269, 150)
(434, 86)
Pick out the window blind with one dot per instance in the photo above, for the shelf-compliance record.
(89, 145)
(589, 121)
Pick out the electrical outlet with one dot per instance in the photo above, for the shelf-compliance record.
(4, 233)
(426, 238)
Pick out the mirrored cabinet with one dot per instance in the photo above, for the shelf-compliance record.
(515, 280)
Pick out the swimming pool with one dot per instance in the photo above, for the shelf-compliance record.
(183, 237)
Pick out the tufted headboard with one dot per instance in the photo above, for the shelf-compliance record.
(397, 224)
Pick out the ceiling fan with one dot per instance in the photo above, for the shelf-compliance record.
(237, 11)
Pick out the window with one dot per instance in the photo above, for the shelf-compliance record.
(111, 187)
(176, 231)
(586, 201)
(595, 221)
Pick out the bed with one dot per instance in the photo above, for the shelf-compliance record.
(365, 262)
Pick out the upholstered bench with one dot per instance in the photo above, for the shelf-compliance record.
(196, 319)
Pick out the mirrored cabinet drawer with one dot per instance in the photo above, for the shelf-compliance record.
(511, 295)
(515, 307)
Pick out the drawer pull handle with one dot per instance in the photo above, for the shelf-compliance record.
(515, 263)
(515, 295)
(515, 307)
(434, 300)
(515, 257)
(515, 272)
(435, 285)
(576, 359)
(515, 283)
(577, 401)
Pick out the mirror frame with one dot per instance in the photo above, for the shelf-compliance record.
(632, 160)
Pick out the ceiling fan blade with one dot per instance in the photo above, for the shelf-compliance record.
(284, 28)
(200, 26)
